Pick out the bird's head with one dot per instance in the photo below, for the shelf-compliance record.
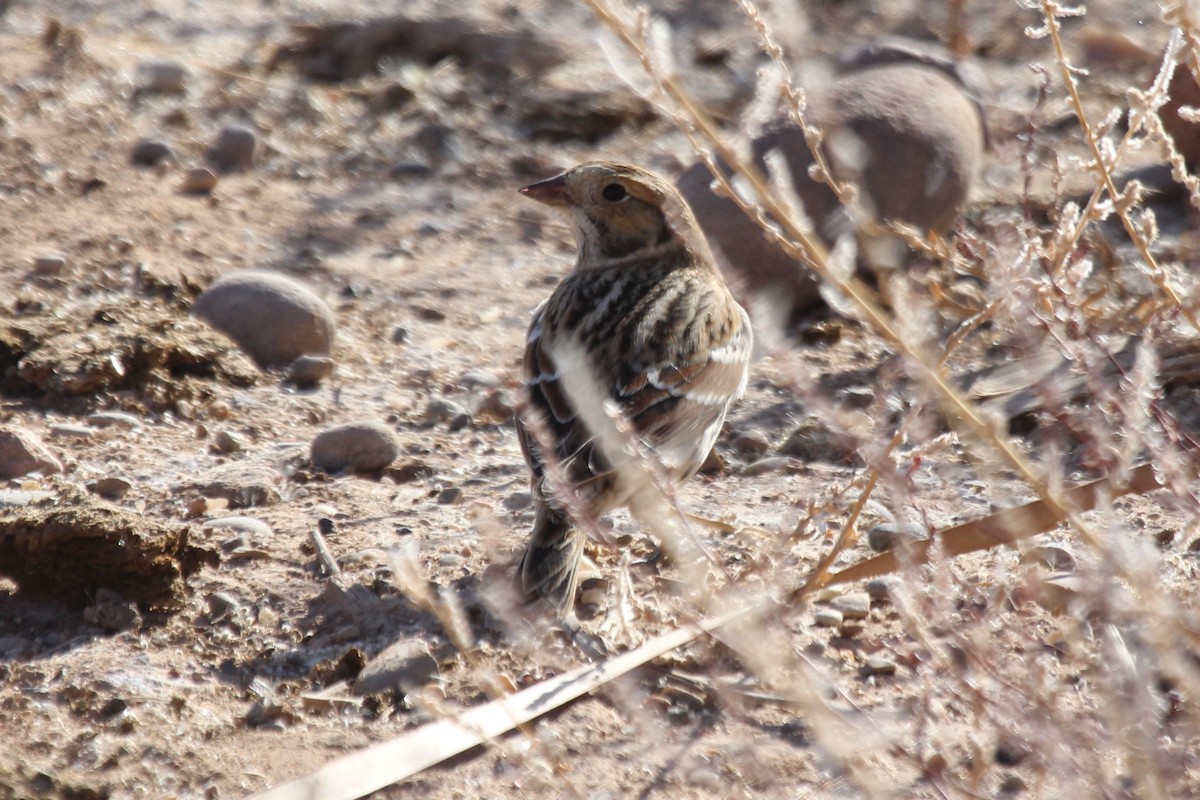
(618, 210)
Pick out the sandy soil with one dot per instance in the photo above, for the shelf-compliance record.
(393, 195)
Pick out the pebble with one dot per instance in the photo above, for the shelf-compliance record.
(1051, 557)
(828, 618)
(439, 409)
(356, 447)
(21, 453)
(879, 589)
(235, 149)
(403, 667)
(518, 501)
(883, 538)
(240, 524)
(307, 372)
(49, 264)
(594, 592)
(878, 665)
(221, 605)
(151, 153)
(705, 778)
(163, 77)
(228, 442)
(450, 496)
(79, 432)
(274, 318)
(409, 170)
(111, 488)
(198, 180)
(476, 378)
(856, 605)
(752, 444)
(114, 419)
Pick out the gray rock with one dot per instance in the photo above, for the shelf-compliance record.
(307, 372)
(856, 605)
(114, 419)
(111, 488)
(828, 618)
(235, 149)
(22, 453)
(228, 442)
(151, 153)
(78, 432)
(163, 77)
(49, 264)
(878, 665)
(906, 133)
(199, 180)
(274, 318)
(357, 447)
(403, 667)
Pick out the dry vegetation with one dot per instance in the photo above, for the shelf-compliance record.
(1045, 343)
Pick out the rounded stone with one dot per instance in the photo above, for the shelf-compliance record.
(274, 318)
(150, 153)
(198, 181)
(906, 133)
(235, 149)
(356, 447)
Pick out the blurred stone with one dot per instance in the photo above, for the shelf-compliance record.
(1052, 558)
(198, 181)
(111, 488)
(49, 264)
(401, 667)
(878, 665)
(856, 605)
(150, 153)
(247, 525)
(163, 77)
(228, 442)
(65, 431)
(234, 150)
(114, 419)
(828, 618)
(357, 447)
(21, 452)
(274, 318)
(307, 372)
(240, 485)
(906, 133)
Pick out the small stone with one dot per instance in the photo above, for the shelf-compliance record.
(828, 618)
(235, 149)
(49, 264)
(594, 592)
(150, 153)
(518, 501)
(78, 432)
(856, 605)
(1010, 753)
(399, 335)
(307, 372)
(221, 605)
(246, 525)
(228, 442)
(883, 538)
(439, 409)
(706, 778)
(752, 444)
(163, 77)
(879, 590)
(198, 180)
(1060, 592)
(357, 447)
(111, 488)
(1012, 786)
(450, 496)
(477, 378)
(114, 419)
(274, 318)
(403, 667)
(241, 485)
(878, 665)
(22, 453)
(1056, 559)
(857, 397)
(111, 612)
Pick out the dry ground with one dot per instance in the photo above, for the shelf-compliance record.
(433, 269)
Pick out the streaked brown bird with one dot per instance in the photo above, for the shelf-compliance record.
(647, 316)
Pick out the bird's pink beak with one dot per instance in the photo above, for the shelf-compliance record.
(552, 192)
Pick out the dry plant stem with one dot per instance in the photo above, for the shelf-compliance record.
(1103, 172)
(328, 562)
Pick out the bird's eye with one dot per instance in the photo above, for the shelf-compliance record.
(614, 193)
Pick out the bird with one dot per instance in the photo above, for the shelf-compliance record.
(645, 314)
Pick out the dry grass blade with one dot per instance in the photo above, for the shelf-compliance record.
(1003, 527)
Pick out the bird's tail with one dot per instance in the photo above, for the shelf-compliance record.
(549, 569)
